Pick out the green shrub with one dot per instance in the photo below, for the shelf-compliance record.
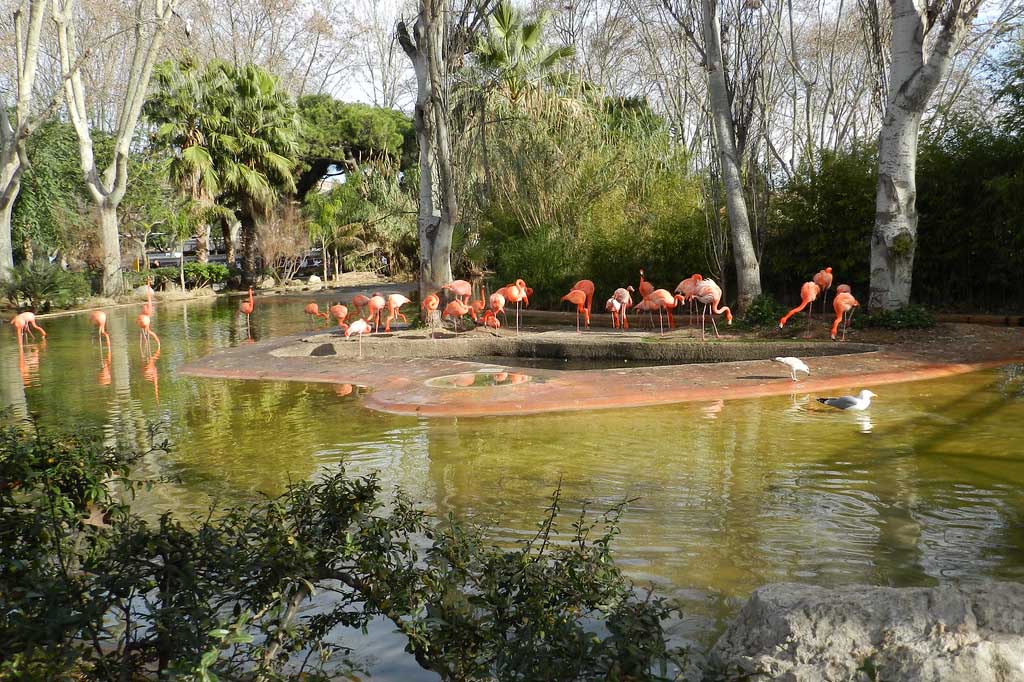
(908, 317)
(41, 285)
(764, 311)
(205, 274)
(94, 592)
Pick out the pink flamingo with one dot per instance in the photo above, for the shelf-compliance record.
(688, 288)
(843, 303)
(373, 308)
(461, 289)
(359, 327)
(808, 294)
(515, 293)
(339, 313)
(144, 323)
(24, 323)
(491, 320)
(587, 287)
(394, 303)
(497, 304)
(456, 310)
(844, 289)
(99, 319)
(645, 288)
(823, 278)
(625, 299)
(709, 295)
(667, 302)
(246, 308)
(431, 302)
(647, 306)
(578, 297)
(313, 310)
(147, 307)
(614, 307)
(360, 301)
(480, 305)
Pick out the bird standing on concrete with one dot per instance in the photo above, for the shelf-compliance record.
(861, 401)
(795, 365)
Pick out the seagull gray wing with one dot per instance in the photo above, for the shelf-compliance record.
(843, 403)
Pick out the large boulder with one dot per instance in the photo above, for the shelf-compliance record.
(313, 280)
(801, 633)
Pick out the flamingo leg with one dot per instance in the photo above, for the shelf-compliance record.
(703, 314)
(715, 325)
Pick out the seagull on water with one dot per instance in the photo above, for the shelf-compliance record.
(861, 401)
(795, 365)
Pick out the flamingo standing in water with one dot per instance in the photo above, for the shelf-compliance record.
(456, 310)
(339, 312)
(360, 301)
(359, 327)
(688, 287)
(313, 310)
(246, 308)
(808, 294)
(843, 304)
(373, 308)
(147, 307)
(143, 321)
(394, 304)
(24, 323)
(431, 302)
(823, 278)
(666, 302)
(645, 288)
(99, 319)
(709, 295)
(578, 297)
(625, 300)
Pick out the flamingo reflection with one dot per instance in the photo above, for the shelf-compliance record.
(151, 374)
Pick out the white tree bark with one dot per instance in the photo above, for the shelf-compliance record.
(107, 187)
(748, 270)
(918, 62)
(14, 135)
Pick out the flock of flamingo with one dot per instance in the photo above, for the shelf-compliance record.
(843, 303)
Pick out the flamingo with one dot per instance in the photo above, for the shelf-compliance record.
(579, 298)
(587, 287)
(667, 302)
(24, 323)
(339, 312)
(497, 304)
(147, 307)
(844, 289)
(246, 308)
(360, 301)
(456, 310)
(516, 292)
(431, 302)
(99, 319)
(647, 306)
(144, 321)
(688, 287)
(480, 305)
(823, 278)
(808, 294)
(358, 327)
(614, 307)
(461, 289)
(491, 320)
(843, 303)
(394, 303)
(625, 299)
(373, 308)
(645, 287)
(709, 295)
(313, 310)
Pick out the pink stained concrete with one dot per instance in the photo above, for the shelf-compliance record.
(399, 385)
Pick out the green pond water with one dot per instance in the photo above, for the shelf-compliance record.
(926, 486)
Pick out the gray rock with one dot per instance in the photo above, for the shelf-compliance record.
(801, 633)
(313, 279)
(267, 283)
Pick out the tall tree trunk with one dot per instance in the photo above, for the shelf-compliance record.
(202, 242)
(113, 281)
(229, 241)
(895, 236)
(438, 208)
(6, 247)
(748, 270)
(248, 249)
(914, 73)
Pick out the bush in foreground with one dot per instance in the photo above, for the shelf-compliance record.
(91, 591)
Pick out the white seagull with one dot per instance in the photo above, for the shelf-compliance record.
(795, 365)
(861, 401)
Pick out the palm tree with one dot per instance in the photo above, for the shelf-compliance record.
(513, 56)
